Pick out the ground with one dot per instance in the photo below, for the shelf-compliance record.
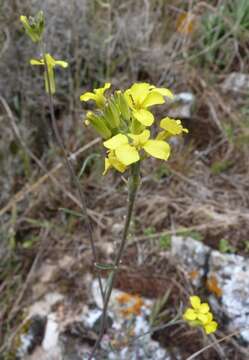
(202, 191)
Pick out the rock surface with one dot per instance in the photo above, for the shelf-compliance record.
(227, 276)
(70, 336)
(236, 82)
(182, 106)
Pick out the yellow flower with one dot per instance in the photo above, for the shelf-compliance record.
(112, 162)
(124, 152)
(156, 148)
(143, 95)
(199, 315)
(97, 95)
(49, 74)
(171, 127)
(174, 127)
(128, 154)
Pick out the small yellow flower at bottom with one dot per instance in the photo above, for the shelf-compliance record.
(199, 315)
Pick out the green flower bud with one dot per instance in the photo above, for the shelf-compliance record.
(98, 124)
(34, 26)
(123, 106)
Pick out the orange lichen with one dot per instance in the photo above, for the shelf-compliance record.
(124, 298)
(185, 23)
(212, 285)
(193, 274)
(130, 304)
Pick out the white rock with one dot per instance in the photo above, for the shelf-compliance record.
(232, 273)
(51, 335)
(44, 306)
(181, 106)
(236, 82)
(192, 255)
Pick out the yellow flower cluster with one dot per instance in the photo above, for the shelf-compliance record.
(200, 315)
(122, 120)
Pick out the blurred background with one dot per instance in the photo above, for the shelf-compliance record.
(198, 49)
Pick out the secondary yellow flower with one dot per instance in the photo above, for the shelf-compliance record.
(171, 127)
(143, 95)
(50, 62)
(200, 315)
(174, 127)
(97, 95)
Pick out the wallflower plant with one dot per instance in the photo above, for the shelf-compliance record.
(130, 134)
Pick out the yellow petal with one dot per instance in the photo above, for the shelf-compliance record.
(195, 302)
(116, 141)
(211, 327)
(145, 117)
(153, 98)
(173, 126)
(157, 148)
(140, 139)
(189, 315)
(102, 89)
(138, 93)
(107, 166)
(204, 308)
(127, 154)
(107, 86)
(61, 63)
(117, 164)
(87, 96)
(165, 92)
(36, 62)
(203, 318)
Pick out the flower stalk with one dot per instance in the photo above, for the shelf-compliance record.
(133, 185)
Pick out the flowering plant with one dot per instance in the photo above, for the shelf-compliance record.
(130, 135)
(123, 119)
(200, 315)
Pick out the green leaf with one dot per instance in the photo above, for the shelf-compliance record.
(105, 266)
(225, 247)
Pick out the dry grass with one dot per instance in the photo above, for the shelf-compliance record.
(205, 185)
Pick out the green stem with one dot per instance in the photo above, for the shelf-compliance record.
(70, 169)
(133, 185)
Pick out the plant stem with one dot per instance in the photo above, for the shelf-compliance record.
(133, 185)
(73, 176)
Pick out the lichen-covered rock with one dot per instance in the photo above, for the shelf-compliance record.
(226, 276)
(29, 337)
(232, 273)
(192, 255)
